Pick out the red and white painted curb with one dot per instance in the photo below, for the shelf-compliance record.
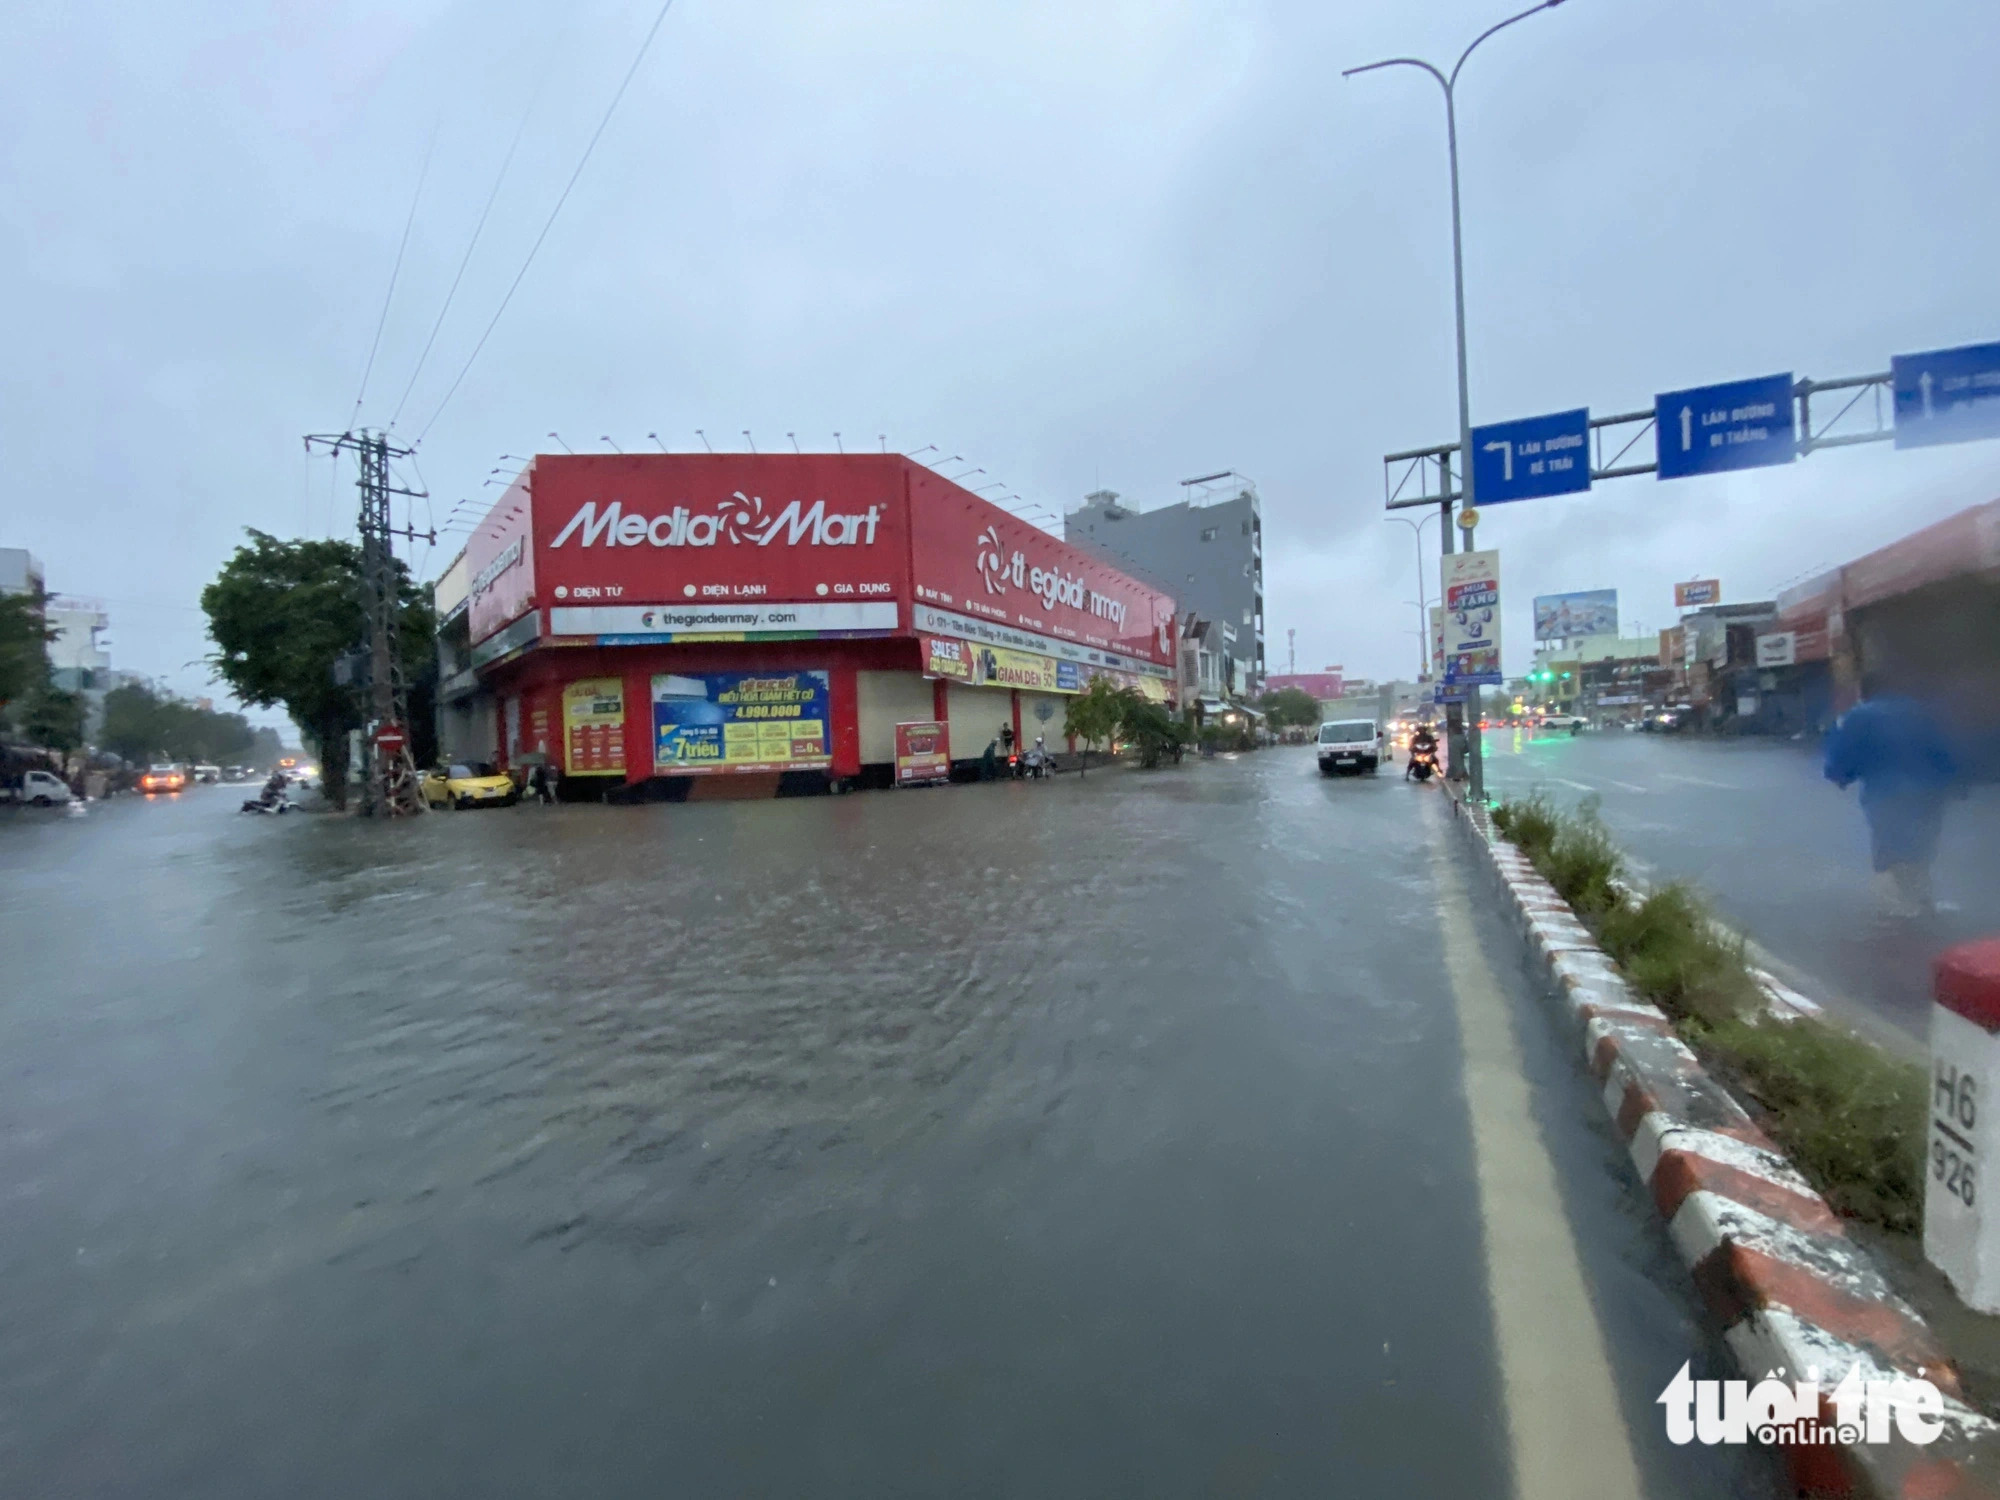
(1768, 1255)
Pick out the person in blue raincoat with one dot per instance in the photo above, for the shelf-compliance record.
(1893, 746)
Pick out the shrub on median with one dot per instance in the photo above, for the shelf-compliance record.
(1672, 953)
(1572, 850)
(1850, 1116)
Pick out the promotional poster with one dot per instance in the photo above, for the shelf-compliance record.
(593, 711)
(923, 753)
(1471, 594)
(1697, 592)
(741, 721)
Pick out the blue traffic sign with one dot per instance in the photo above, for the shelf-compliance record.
(1947, 395)
(1744, 424)
(1533, 457)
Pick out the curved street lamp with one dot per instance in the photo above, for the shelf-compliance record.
(1449, 85)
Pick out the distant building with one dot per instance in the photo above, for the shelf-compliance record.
(1321, 685)
(77, 655)
(1207, 551)
(20, 571)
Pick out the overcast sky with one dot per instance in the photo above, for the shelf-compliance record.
(1112, 244)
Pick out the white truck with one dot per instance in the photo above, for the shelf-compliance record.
(37, 789)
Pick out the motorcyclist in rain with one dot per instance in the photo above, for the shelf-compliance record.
(1422, 738)
(1895, 749)
(274, 790)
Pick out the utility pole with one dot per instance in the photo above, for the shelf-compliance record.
(390, 786)
(1291, 652)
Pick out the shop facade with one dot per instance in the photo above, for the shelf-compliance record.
(660, 620)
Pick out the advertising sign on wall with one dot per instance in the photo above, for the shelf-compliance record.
(741, 721)
(1697, 592)
(1001, 666)
(948, 659)
(501, 558)
(1567, 616)
(594, 727)
(1471, 593)
(923, 753)
(976, 559)
(1779, 649)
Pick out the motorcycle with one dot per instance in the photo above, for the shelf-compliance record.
(1423, 762)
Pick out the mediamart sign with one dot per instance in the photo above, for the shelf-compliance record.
(738, 520)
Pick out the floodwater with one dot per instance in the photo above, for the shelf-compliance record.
(1085, 1137)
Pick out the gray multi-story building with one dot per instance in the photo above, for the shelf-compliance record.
(20, 571)
(1207, 551)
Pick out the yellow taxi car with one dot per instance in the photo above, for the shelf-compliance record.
(473, 784)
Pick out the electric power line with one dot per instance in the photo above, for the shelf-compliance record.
(394, 271)
(561, 199)
(471, 245)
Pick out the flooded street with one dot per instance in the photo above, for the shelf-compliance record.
(1088, 1137)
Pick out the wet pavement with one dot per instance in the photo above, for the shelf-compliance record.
(1781, 852)
(1091, 1137)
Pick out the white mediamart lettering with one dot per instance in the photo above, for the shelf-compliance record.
(1781, 1415)
(740, 519)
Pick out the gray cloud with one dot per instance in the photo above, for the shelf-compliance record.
(1115, 244)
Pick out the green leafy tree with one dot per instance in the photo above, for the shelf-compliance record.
(1289, 708)
(24, 645)
(131, 722)
(1095, 715)
(53, 719)
(1153, 728)
(281, 612)
(141, 724)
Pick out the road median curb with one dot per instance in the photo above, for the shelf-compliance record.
(1770, 1258)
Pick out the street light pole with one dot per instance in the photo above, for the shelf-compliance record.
(1423, 608)
(1449, 85)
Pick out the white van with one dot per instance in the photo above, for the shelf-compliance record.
(1350, 745)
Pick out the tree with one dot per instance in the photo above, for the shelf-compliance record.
(141, 724)
(131, 722)
(1094, 715)
(53, 719)
(1153, 729)
(1290, 707)
(281, 612)
(24, 645)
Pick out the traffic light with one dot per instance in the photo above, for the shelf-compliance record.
(1565, 677)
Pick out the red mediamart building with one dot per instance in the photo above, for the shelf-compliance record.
(772, 618)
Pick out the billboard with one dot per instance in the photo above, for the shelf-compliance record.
(741, 721)
(1566, 616)
(1471, 593)
(593, 711)
(1697, 592)
(976, 560)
